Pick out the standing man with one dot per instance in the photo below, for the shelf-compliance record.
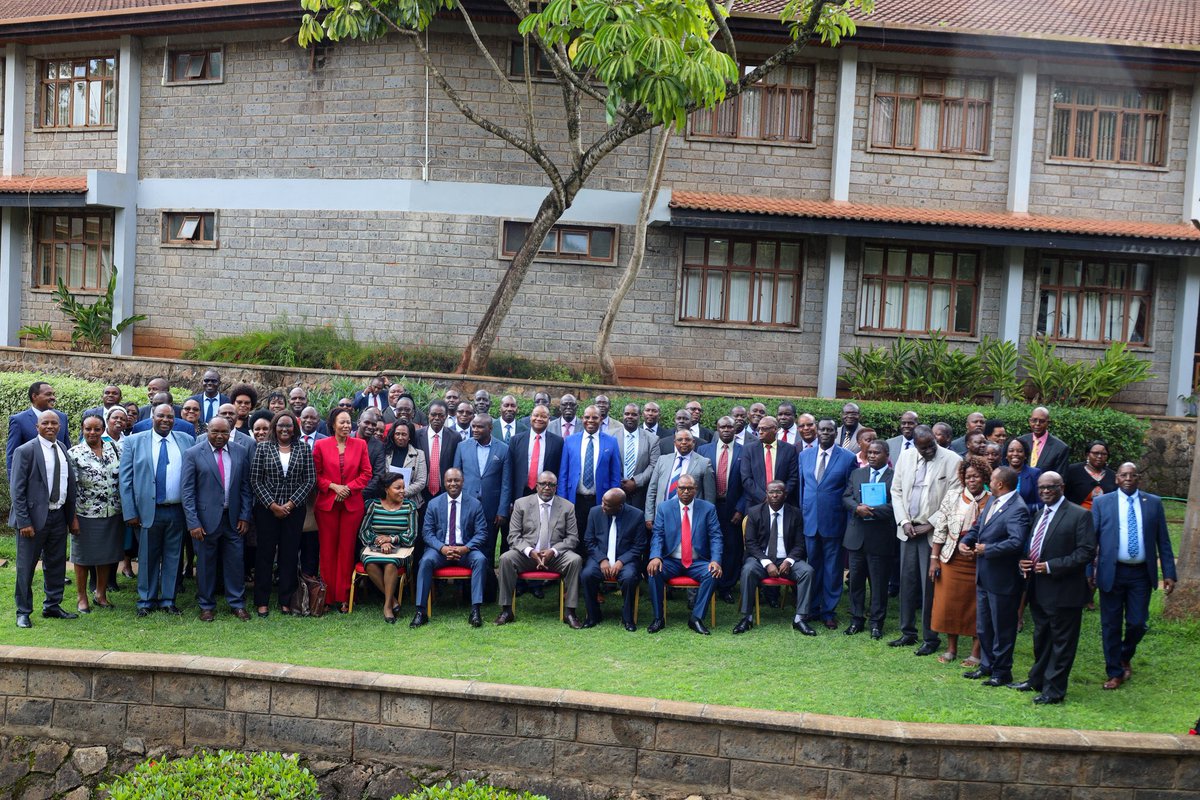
(533, 452)
(683, 422)
(309, 424)
(847, 432)
(483, 402)
(686, 540)
(484, 465)
(765, 460)
(24, 425)
(591, 465)
(217, 505)
(775, 548)
(1132, 530)
(1046, 451)
(650, 414)
(616, 542)
(754, 415)
(298, 401)
(638, 457)
(870, 538)
(42, 484)
(703, 435)
(785, 413)
(439, 444)
(610, 426)
(897, 445)
(740, 418)
(463, 415)
(151, 477)
(806, 429)
(1061, 548)
(669, 470)
(455, 532)
(210, 397)
(944, 435)
(975, 422)
(566, 425)
(725, 455)
(507, 427)
(111, 396)
(374, 396)
(539, 399)
(824, 472)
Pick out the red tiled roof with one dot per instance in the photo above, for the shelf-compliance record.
(34, 184)
(862, 212)
(15, 10)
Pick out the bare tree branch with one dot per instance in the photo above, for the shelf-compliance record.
(560, 64)
(462, 8)
(723, 27)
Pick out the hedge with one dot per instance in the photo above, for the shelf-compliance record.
(466, 791)
(223, 775)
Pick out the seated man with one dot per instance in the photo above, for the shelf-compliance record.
(616, 543)
(686, 540)
(542, 535)
(775, 547)
(453, 532)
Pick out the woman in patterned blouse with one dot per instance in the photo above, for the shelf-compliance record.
(388, 531)
(99, 542)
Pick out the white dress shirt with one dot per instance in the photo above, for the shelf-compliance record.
(583, 445)
(1123, 521)
(174, 466)
(51, 450)
(776, 537)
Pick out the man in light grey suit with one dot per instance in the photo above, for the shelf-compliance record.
(608, 425)
(638, 456)
(670, 467)
(565, 423)
(42, 486)
(898, 444)
(543, 535)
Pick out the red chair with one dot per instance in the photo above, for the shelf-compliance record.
(539, 575)
(781, 582)
(361, 572)
(683, 582)
(445, 574)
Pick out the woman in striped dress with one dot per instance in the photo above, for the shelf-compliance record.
(388, 531)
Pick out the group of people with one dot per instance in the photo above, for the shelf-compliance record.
(966, 530)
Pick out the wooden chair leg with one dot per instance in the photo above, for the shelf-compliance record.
(712, 611)
(429, 600)
(353, 584)
(562, 597)
(637, 596)
(757, 610)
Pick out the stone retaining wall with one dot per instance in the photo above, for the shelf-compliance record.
(564, 743)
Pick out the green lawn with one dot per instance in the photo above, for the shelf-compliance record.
(770, 667)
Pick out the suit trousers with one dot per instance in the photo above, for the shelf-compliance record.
(50, 545)
(584, 503)
(825, 557)
(996, 618)
(568, 564)
(159, 547)
(628, 579)
(310, 546)
(282, 536)
(1055, 639)
(753, 572)
(433, 559)
(916, 590)
(1129, 598)
(733, 551)
(221, 551)
(876, 569)
(337, 530)
(673, 568)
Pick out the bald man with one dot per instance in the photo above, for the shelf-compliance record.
(616, 542)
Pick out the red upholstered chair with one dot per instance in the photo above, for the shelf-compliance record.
(361, 572)
(684, 582)
(768, 581)
(539, 575)
(445, 574)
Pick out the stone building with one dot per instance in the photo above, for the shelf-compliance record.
(998, 167)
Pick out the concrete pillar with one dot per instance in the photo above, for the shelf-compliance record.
(14, 109)
(831, 319)
(1187, 311)
(12, 246)
(1020, 160)
(843, 125)
(1191, 179)
(1011, 291)
(125, 222)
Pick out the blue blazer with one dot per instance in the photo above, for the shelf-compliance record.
(733, 491)
(493, 489)
(754, 472)
(707, 542)
(821, 503)
(631, 535)
(203, 495)
(359, 400)
(222, 399)
(1006, 536)
(181, 425)
(1105, 515)
(22, 428)
(472, 523)
(608, 466)
(137, 474)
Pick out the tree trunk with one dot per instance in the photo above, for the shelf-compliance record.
(608, 370)
(1184, 602)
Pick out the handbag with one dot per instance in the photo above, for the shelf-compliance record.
(309, 598)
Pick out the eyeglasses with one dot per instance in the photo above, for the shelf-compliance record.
(547, 483)
(1051, 488)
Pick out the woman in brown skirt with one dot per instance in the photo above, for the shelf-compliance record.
(952, 573)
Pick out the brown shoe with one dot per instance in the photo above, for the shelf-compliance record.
(572, 620)
(505, 618)
(1114, 683)
(1128, 673)
(241, 614)
(206, 616)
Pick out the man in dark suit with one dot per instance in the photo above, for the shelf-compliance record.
(507, 427)
(639, 451)
(23, 426)
(975, 422)
(905, 440)
(650, 414)
(725, 456)
(210, 397)
(686, 540)
(566, 424)
(217, 506)
(580, 480)
(703, 435)
(42, 484)
(156, 386)
(1061, 547)
(847, 432)
(683, 422)
(998, 540)
(181, 424)
(869, 540)
(533, 452)
(1131, 528)
(439, 444)
(111, 396)
(310, 432)
(455, 532)
(373, 396)
(1046, 451)
(824, 471)
(616, 542)
(756, 472)
(775, 547)
(484, 464)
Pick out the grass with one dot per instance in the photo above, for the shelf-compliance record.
(771, 667)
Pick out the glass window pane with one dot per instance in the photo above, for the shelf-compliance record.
(195, 67)
(785, 300)
(76, 269)
(966, 266)
(789, 256)
(893, 306)
(550, 243)
(764, 256)
(691, 294)
(870, 298)
(1072, 272)
(1066, 315)
(1141, 277)
(514, 236)
(897, 261)
(939, 307)
(1046, 309)
(714, 297)
(573, 243)
(1049, 271)
(917, 306)
(943, 265)
(739, 297)
(964, 310)
(216, 65)
(873, 261)
(741, 254)
(1089, 318)
(1114, 319)
(693, 250)
(718, 252)
(602, 244)
(920, 265)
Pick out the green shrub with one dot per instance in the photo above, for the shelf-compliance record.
(466, 791)
(222, 775)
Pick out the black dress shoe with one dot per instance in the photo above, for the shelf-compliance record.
(573, 621)
(976, 674)
(726, 596)
(589, 623)
(505, 617)
(657, 625)
(56, 612)
(629, 626)
(418, 619)
(173, 610)
(143, 612)
(996, 680)
(876, 634)
(23, 621)
(744, 624)
(853, 629)
(831, 623)
(903, 641)
(538, 592)
(1046, 700)
(390, 620)
(475, 618)
(696, 624)
(1023, 686)
(927, 649)
(804, 627)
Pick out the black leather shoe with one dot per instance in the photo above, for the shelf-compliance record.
(691, 598)
(56, 612)
(475, 618)
(505, 617)
(853, 629)
(418, 619)
(390, 620)
(173, 610)
(538, 592)
(1023, 686)
(876, 634)
(589, 623)
(903, 641)
(143, 612)
(657, 625)
(629, 626)
(804, 627)
(726, 596)
(696, 624)
(996, 681)
(744, 624)
(927, 649)
(975, 674)
(23, 621)
(572, 621)
(1045, 700)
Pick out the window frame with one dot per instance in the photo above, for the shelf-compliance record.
(516, 64)
(43, 83)
(944, 100)
(764, 90)
(908, 279)
(1106, 294)
(754, 295)
(170, 57)
(166, 226)
(41, 245)
(557, 254)
(1096, 109)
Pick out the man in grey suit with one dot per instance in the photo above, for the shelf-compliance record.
(975, 423)
(566, 423)
(638, 449)
(898, 444)
(542, 535)
(42, 485)
(668, 470)
(216, 505)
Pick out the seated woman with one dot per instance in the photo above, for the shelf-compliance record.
(389, 528)
(952, 572)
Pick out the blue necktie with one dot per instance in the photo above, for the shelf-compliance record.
(1134, 549)
(210, 404)
(673, 484)
(589, 470)
(160, 473)
(630, 454)
(874, 476)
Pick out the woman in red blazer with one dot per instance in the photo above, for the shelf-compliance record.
(343, 468)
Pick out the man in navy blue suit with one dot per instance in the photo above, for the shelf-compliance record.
(23, 426)
(591, 465)
(726, 454)
(616, 543)
(483, 462)
(454, 532)
(686, 540)
(1131, 530)
(211, 398)
(824, 472)
(755, 472)
(374, 396)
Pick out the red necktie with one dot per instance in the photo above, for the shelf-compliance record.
(685, 547)
(435, 464)
(533, 461)
(769, 463)
(566, 429)
(785, 437)
(221, 470)
(722, 471)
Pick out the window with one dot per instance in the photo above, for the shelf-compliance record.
(1095, 300)
(932, 113)
(918, 290)
(205, 65)
(78, 93)
(779, 108)
(537, 59)
(76, 247)
(566, 241)
(1112, 125)
(189, 228)
(750, 281)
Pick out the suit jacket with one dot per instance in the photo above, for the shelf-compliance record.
(852, 445)
(959, 446)
(29, 486)
(268, 482)
(759, 541)
(204, 494)
(449, 445)
(1006, 536)
(519, 427)
(471, 522)
(22, 428)
(526, 521)
(137, 474)
(698, 467)
(355, 474)
(754, 472)
(1068, 548)
(518, 459)
(733, 486)
(1055, 456)
(360, 400)
(144, 411)
(941, 478)
(896, 448)
(1105, 516)
(707, 542)
(492, 488)
(666, 441)
(555, 426)
(643, 466)
(632, 536)
(317, 436)
(222, 399)
(876, 535)
(419, 419)
(570, 470)
(821, 501)
(181, 425)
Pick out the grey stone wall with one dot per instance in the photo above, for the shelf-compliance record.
(65, 151)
